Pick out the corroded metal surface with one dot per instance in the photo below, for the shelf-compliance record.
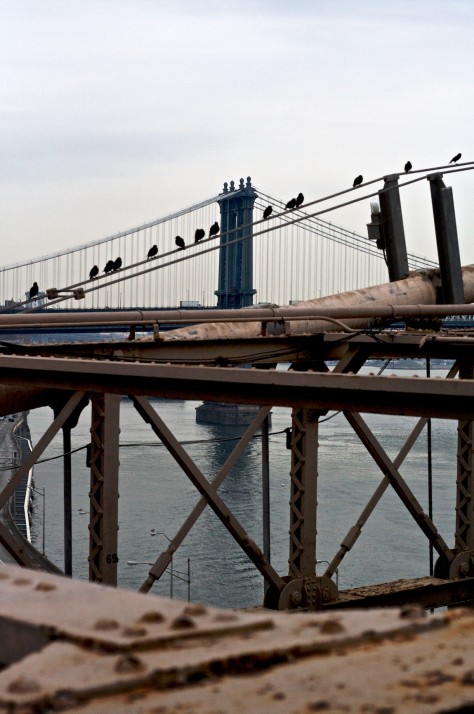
(95, 649)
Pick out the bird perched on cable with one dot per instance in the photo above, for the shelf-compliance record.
(180, 242)
(214, 229)
(455, 159)
(33, 291)
(109, 266)
(117, 264)
(152, 252)
(408, 167)
(267, 212)
(358, 180)
(199, 234)
(291, 204)
(299, 200)
(94, 272)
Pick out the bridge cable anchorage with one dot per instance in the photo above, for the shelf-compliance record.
(80, 294)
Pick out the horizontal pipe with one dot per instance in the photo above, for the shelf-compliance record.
(414, 296)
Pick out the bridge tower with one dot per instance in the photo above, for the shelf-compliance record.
(235, 259)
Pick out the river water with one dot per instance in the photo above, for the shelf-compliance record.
(156, 496)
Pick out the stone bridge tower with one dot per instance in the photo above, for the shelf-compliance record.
(236, 259)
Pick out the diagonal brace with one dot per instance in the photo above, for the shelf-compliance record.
(209, 494)
(42, 444)
(401, 488)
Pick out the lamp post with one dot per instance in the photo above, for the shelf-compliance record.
(153, 532)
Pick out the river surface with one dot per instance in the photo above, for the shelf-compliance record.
(156, 496)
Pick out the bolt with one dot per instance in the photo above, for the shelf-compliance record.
(464, 569)
(296, 597)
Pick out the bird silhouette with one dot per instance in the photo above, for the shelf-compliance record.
(267, 212)
(408, 167)
(152, 252)
(33, 291)
(199, 234)
(291, 204)
(214, 229)
(299, 200)
(94, 272)
(358, 180)
(455, 159)
(180, 242)
(117, 264)
(109, 266)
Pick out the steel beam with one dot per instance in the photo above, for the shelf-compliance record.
(103, 495)
(208, 491)
(393, 231)
(404, 396)
(303, 494)
(400, 487)
(464, 534)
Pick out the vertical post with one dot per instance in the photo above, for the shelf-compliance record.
(265, 491)
(393, 230)
(464, 534)
(447, 241)
(303, 498)
(236, 258)
(103, 493)
(67, 469)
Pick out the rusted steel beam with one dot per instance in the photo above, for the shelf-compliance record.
(423, 592)
(406, 396)
(14, 399)
(103, 495)
(208, 491)
(164, 560)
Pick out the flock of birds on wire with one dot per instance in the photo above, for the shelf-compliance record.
(113, 265)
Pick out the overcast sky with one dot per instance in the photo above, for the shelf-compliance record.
(116, 112)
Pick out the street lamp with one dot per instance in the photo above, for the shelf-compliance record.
(153, 532)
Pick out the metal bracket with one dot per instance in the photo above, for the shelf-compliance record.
(308, 593)
(462, 566)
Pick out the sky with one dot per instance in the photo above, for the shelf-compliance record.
(116, 112)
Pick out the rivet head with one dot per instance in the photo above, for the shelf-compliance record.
(183, 622)
(106, 624)
(152, 617)
(23, 685)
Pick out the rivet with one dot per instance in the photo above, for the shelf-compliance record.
(195, 610)
(128, 663)
(23, 685)
(153, 616)
(45, 587)
(105, 624)
(183, 622)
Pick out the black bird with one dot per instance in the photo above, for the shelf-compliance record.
(33, 291)
(180, 242)
(117, 264)
(299, 200)
(199, 235)
(152, 252)
(358, 180)
(94, 272)
(109, 266)
(267, 212)
(291, 204)
(455, 159)
(408, 167)
(214, 229)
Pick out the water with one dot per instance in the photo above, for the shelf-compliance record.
(155, 494)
